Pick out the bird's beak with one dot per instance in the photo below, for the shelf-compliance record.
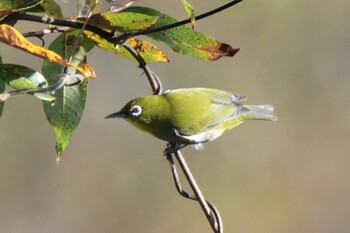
(117, 114)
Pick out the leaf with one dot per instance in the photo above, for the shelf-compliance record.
(184, 40)
(122, 21)
(148, 51)
(51, 8)
(12, 37)
(87, 6)
(9, 6)
(23, 78)
(65, 115)
(190, 12)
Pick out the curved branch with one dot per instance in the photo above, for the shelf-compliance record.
(209, 209)
(153, 79)
(61, 22)
(110, 35)
(146, 31)
(190, 196)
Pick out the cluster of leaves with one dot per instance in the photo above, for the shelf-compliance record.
(66, 55)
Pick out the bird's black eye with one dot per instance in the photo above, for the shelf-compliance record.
(135, 111)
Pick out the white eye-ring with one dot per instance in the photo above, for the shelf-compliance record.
(135, 111)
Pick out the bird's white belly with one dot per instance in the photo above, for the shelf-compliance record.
(202, 137)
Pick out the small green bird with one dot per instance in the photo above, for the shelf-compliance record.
(191, 115)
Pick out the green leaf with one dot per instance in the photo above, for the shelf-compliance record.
(50, 8)
(122, 21)
(65, 114)
(184, 40)
(148, 51)
(190, 12)
(23, 78)
(9, 6)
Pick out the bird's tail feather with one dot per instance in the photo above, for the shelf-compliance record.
(261, 112)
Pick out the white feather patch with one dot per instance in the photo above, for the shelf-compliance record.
(202, 137)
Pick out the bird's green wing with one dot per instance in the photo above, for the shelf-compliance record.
(197, 110)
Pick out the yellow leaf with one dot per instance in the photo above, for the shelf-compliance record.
(14, 38)
(148, 51)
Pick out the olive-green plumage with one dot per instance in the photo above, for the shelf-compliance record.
(193, 115)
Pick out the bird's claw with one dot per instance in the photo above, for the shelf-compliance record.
(172, 148)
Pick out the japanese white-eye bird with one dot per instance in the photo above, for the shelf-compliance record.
(191, 115)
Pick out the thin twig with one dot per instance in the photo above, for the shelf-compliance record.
(177, 179)
(61, 22)
(40, 34)
(50, 89)
(196, 190)
(146, 31)
(190, 196)
(85, 24)
(153, 79)
(44, 32)
(208, 208)
(110, 36)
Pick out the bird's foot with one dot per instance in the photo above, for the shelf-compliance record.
(172, 148)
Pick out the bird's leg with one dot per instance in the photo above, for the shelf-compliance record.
(172, 148)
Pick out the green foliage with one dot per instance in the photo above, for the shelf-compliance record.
(65, 114)
(190, 11)
(9, 6)
(184, 40)
(50, 8)
(122, 21)
(67, 54)
(22, 78)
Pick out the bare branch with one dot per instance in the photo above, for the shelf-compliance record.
(125, 36)
(44, 32)
(210, 211)
(64, 78)
(61, 22)
(110, 36)
(153, 79)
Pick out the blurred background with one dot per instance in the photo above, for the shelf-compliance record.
(286, 176)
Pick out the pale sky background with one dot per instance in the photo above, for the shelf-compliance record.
(287, 176)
